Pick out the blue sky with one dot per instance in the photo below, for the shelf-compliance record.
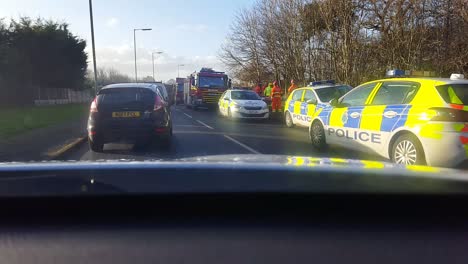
(188, 32)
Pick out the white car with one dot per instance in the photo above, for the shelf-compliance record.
(243, 104)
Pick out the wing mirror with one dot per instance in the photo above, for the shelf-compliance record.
(312, 101)
(334, 102)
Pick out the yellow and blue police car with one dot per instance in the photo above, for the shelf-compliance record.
(412, 121)
(302, 103)
(243, 104)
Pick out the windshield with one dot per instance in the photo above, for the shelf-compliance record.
(154, 81)
(454, 93)
(241, 95)
(211, 82)
(327, 94)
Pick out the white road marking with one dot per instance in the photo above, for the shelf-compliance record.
(242, 145)
(187, 126)
(189, 116)
(205, 124)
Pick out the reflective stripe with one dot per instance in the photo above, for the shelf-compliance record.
(372, 117)
(291, 106)
(391, 124)
(304, 108)
(324, 113)
(353, 121)
(336, 117)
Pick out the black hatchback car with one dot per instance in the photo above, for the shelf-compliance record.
(129, 112)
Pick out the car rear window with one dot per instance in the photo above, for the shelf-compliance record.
(124, 96)
(454, 93)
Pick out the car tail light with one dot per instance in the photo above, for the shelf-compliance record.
(158, 104)
(449, 115)
(93, 108)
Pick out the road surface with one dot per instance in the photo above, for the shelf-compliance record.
(203, 133)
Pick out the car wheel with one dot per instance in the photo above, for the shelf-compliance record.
(288, 120)
(317, 136)
(229, 113)
(96, 146)
(407, 150)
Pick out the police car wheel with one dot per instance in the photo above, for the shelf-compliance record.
(408, 151)
(288, 120)
(229, 113)
(317, 136)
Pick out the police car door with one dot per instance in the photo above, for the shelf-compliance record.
(294, 106)
(387, 111)
(345, 118)
(308, 106)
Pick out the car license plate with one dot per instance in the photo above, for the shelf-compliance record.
(125, 114)
(252, 112)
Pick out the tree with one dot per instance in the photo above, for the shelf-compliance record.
(147, 79)
(106, 76)
(351, 41)
(39, 53)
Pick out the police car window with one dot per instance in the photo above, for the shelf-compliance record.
(454, 93)
(330, 93)
(297, 96)
(395, 93)
(309, 95)
(358, 96)
(244, 95)
(223, 96)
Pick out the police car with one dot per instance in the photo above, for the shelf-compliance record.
(302, 103)
(243, 104)
(412, 121)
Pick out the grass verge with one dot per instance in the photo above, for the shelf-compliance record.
(14, 121)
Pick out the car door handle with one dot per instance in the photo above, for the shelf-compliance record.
(390, 114)
(355, 115)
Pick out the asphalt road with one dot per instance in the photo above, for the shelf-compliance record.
(203, 132)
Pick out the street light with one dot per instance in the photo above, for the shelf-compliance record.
(93, 45)
(178, 69)
(134, 47)
(152, 56)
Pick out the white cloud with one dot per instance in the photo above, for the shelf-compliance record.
(122, 59)
(198, 28)
(112, 22)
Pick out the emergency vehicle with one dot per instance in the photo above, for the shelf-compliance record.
(204, 88)
(302, 102)
(412, 121)
(243, 104)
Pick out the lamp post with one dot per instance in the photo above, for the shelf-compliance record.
(178, 69)
(93, 44)
(152, 57)
(134, 48)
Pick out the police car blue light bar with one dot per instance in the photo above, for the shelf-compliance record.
(395, 73)
(322, 82)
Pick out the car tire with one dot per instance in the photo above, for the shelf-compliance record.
(288, 120)
(229, 115)
(317, 136)
(96, 146)
(407, 150)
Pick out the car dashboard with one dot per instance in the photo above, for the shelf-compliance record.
(101, 222)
